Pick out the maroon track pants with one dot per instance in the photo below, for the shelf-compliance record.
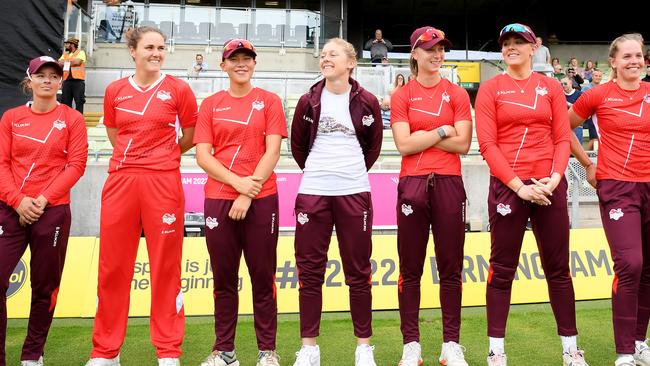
(625, 212)
(48, 241)
(436, 202)
(508, 218)
(316, 216)
(257, 237)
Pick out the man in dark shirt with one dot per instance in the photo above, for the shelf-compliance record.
(378, 47)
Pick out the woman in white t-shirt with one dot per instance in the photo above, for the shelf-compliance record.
(335, 138)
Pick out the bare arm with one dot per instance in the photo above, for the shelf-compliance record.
(186, 142)
(112, 135)
(248, 186)
(579, 152)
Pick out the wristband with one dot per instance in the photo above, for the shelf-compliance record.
(518, 189)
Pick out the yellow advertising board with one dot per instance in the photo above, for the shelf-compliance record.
(590, 264)
(469, 73)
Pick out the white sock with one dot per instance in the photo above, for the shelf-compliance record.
(625, 356)
(306, 346)
(569, 343)
(496, 345)
(362, 345)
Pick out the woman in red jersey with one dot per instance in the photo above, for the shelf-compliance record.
(432, 125)
(43, 152)
(244, 125)
(523, 131)
(621, 108)
(149, 118)
(336, 137)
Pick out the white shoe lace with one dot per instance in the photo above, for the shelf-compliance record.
(411, 354)
(456, 351)
(578, 358)
(642, 352)
(365, 356)
(498, 359)
(269, 358)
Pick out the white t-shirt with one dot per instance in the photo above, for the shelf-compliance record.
(540, 55)
(335, 165)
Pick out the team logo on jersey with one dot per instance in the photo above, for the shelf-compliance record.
(169, 218)
(211, 222)
(1, 231)
(615, 214)
(646, 98)
(446, 97)
(58, 124)
(258, 105)
(302, 218)
(541, 90)
(503, 209)
(406, 209)
(367, 120)
(164, 95)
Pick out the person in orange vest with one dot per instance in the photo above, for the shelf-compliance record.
(73, 62)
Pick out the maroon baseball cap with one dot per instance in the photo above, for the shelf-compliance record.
(427, 37)
(237, 44)
(36, 63)
(520, 30)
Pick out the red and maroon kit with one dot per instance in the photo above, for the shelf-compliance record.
(623, 173)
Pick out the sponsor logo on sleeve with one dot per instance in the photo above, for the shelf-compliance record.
(211, 222)
(406, 209)
(503, 209)
(615, 214)
(169, 218)
(302, 218)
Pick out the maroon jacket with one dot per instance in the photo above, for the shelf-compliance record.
(366, 118)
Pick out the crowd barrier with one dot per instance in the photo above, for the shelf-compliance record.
(590, 264)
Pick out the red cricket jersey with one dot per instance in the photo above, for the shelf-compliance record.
(523, 127)
(148, 122)
(624, 127)
(426, 109)
(41, 154)
(236, 128)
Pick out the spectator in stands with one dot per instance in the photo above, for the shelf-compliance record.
(106, 30)
(542, 55)
(576, 79)
(571, 96)
(523, 131)
(149, 118)
(244, 126)
(647, 73)
(622, 180)
(385, 102)
(557, 72)
(573, 63)
(646, 58)
(596, 79)
(336, 137)
(379, 47)
(384, 61)
(35, 212)
(588, 70)
(73, 62)
(432, 127)
(198, 66)
(555, 61)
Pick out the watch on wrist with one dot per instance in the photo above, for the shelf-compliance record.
(442, 133)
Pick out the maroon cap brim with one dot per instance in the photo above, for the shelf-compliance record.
(444, 41)
(241, 49)
(59, 68)
(525, 36)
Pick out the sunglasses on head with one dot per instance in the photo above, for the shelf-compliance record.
(238, 43)
(427, 36)
(515, 27)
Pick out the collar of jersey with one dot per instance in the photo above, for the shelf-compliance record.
(136, 87)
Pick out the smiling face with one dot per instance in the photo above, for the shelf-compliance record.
(149, 52)
(597, 77)
(430, 60)
(240, 67)
(45, 82)
(334, 62)
(516, 51)
(628, 60)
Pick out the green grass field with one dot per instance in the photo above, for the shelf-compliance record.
(531, 338)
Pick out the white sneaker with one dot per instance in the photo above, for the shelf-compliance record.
(169, 362)
(452, 354)
(642, 354)
(575, 358)
(625, 361)
(98, 361)
(411, 355)
(217, 358)
(308, 356)
(268, 358)
(38, 362)
(498, 359)
(364, 355)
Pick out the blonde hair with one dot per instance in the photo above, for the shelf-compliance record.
(348, 49)
(134, 35)
(613, 48)
(24, 85)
